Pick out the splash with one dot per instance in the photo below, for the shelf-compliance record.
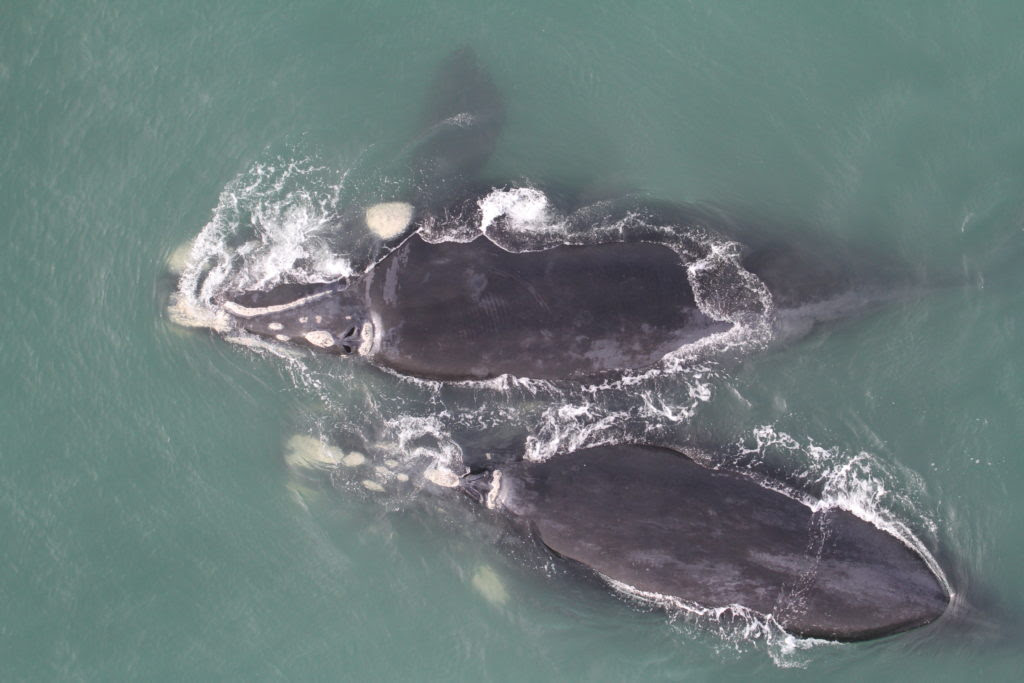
(736, 625)
(861, 483)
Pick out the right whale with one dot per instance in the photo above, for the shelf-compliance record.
(470, 309)
(656, 522)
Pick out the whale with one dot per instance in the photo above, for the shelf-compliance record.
(472, 311)
(657, 524)
(647, 519)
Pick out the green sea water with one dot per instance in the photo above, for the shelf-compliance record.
(150, 526)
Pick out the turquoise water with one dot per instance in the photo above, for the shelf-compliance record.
(152, 527)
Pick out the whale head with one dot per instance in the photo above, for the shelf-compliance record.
(323, 317)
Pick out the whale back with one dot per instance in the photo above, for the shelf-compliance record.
(458, 311)
(659, 522)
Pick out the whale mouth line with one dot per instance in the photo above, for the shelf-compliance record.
(241, 311)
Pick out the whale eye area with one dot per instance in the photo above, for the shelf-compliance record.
(350, 332)
(346, 348)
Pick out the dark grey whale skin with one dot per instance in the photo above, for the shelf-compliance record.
(658, 521)
(472, 311)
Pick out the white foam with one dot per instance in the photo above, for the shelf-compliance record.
(735, 622)
(860, 483)
(524, 208)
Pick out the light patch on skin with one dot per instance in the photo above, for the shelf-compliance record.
(402, 476)
(178, 259)
(183, 314)
(311, 453)
(258, 344)
(276, 326)
(372, 486)
(442, 477)
(251, 312)
(304, 319)
(389, 219)
(319, 319)
(302, 494)
(282, 337)
(492, 495)
(366, 347)
(488, 584)
(382, 471)
(391, 463)
(353, 459)
(321, 338)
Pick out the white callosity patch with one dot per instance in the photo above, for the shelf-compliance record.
(178, 259)
(371, 485)
(494, 498)
(302, 451)
(353, 459)
(181, 311)
(488, 584)
(275, 326)
(311, 453)
(321, 338)
(366, 346)
(389, 219)
(442, 477)
(251, 312)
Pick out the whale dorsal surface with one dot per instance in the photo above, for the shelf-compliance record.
(657, 521)
(471, 311)
(458, 311)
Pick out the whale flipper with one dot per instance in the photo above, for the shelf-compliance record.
(462, 117)
(657, 521)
